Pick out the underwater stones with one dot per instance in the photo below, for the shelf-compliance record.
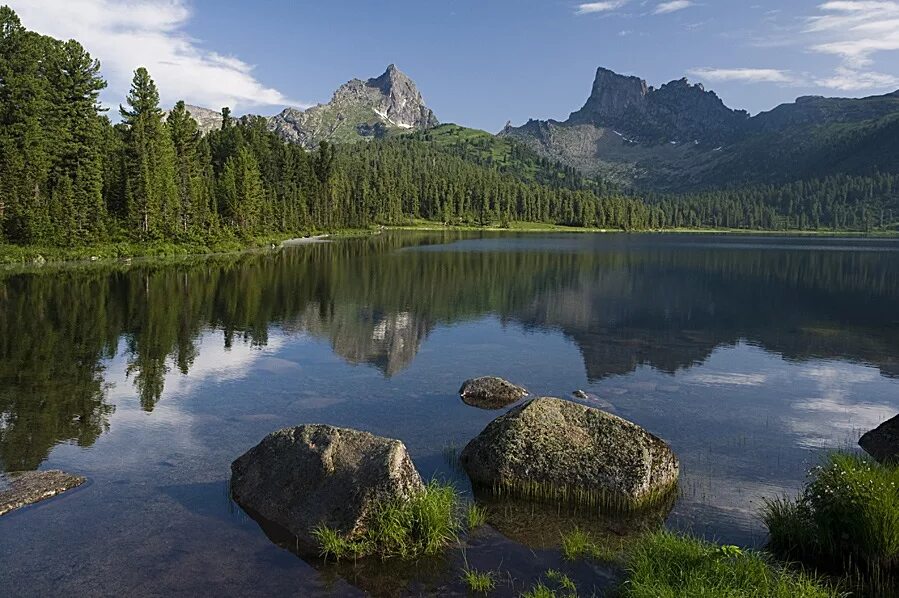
(490, 392)
(882, 442)
(28, 487)
(553, 449)
(300, 478)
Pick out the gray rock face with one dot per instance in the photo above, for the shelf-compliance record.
(301, 477)
(358, 110)
(677, 111)
(554, 449)
(490, 392)
(882, 442)
(28, 487)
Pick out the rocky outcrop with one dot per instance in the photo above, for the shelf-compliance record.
(490, 392)
(28, 487)
(358, 110)
(611, 98)
(310, 475)
(882, 442)
(677, 111)
(553, 449)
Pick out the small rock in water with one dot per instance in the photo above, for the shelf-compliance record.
(311, 475)
(552, 449)
(580, 394)
(28, 487)
(490, 392)
(882, 442)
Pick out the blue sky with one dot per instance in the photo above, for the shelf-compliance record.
(481, 62)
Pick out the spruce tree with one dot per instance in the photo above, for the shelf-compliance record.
(153, 207)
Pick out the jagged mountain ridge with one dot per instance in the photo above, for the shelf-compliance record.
(358, 110)
(681, 136)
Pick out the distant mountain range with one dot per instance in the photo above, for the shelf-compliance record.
(682, 136)
(675, 138)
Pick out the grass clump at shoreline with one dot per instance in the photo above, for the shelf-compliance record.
(479, 582)
(475, 516)
(663, 564)
(846, 519)
(419, 526)
(578, 544)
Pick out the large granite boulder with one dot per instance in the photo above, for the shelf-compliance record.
(311, 475)
(882, 442)
(553, 449)
(24, 488)
(490, 392)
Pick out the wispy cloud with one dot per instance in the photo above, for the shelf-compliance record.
(150, 33)
(855, 31)
(847, 79)
(672, 6)
(594, 7)
(746, 75)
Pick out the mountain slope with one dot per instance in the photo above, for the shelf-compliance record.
(358, 110)
(682, 137)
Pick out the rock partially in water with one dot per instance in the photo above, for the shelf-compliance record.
(882, 442)
(552, 449)
(28, 487)
(490, 392)
(300, 478)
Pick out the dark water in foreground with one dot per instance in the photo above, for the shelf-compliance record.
(749, 355)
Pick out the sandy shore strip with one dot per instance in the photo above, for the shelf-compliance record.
(306, 240)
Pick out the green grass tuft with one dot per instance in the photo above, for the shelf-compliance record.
(847, 517)
(475, 516)
(418, 526)
(578, 544)
(559, 586)
(665, 565)
(480, 582)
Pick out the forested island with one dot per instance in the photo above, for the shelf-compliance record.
(71, 177)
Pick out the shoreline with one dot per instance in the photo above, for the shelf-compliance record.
(15, 257)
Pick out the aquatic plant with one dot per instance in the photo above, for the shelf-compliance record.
(559, 586)
(669, 565)
(479, 581)
(846, 518)
(475, 516)
(420, 525)
(578, 544)
(601, 500)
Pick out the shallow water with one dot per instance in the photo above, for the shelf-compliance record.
(749, 355)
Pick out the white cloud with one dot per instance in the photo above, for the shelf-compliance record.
(124, 35)
(747, 75)
(593, 7)
(855, 31)
(847, 79)
(672, 6)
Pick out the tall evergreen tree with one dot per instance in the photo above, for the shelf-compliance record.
(151, 193)
(188, 169)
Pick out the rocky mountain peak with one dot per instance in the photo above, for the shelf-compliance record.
(359, 109)
(611, 97)
(677, 111)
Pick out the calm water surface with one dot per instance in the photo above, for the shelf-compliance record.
(750, 356)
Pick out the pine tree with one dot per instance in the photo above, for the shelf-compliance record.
(188, 169)
(76, 85)
(153, 207)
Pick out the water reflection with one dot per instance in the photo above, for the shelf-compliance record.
(626, 301)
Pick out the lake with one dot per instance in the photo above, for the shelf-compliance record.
(750, 355)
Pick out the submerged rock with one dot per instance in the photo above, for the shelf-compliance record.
(28, 487)
(554, 449)
(882, 442)
(490, 392)
(302, 477)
